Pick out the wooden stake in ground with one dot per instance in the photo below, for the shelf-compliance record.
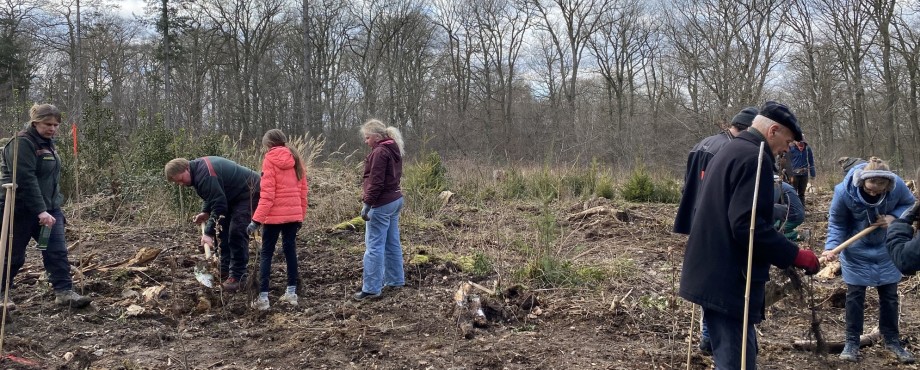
(9, 212)
(750, 259)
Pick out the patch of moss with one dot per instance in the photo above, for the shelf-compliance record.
(419, 259)
(355, 224)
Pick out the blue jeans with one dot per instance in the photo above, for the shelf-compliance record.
(383, 260)
(270, 233)
(725, 332)
(25, 227)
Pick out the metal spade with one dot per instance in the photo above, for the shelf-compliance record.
(201, 268)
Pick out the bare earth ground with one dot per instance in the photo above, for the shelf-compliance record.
(631, 320)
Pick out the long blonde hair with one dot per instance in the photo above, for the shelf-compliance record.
(276, 137)
(375, 127)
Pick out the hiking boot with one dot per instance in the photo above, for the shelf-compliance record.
(71, 298)
(362, 295)
(903, 356)
(289, 298)
(260, 304)
(231, 285)
(850, 352)
(706, 346)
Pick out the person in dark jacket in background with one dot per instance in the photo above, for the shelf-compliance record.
(788, 210)
(38, 203)
(803, 166)
(847, 163)
(697, 160)
(715, 263)
(231, 194)
(383, 201)
(869, 195)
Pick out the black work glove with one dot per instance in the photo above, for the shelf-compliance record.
(253, 227)
(365, 209)
(910, 215)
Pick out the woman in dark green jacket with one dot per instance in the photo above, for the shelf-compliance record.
(37, 210)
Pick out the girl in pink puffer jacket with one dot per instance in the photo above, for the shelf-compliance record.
(282, 208)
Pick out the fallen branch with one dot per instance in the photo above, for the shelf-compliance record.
(833, 347)
(591, 212)
(482, 288)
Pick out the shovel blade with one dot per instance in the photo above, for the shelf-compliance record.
(204, 278)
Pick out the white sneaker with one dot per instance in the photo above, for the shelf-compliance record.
(289, 298)
(260, 304)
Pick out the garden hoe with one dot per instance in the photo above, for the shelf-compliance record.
(201, 268)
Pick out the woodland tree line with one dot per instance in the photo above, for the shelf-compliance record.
(546, 81)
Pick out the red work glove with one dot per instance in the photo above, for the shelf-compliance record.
(807, 260)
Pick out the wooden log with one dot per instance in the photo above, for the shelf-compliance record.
(835, 347)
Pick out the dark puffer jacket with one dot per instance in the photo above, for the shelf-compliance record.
(903, 248)
(38, 173)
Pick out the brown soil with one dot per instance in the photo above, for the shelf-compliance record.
(630, 320)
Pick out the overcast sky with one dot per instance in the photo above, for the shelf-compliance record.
(129, 7)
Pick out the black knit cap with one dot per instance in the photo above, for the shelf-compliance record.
(781, 114)
(745, 117)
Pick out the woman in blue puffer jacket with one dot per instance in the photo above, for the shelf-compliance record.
(870, 194)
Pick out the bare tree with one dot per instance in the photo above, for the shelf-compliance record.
(455, 19)
(619, 50)
(882, 12)
(727, 50)
(849, 24)
(502, 25)
(908, 47)
(248, 30)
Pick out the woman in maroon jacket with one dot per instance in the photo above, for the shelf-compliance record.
(383, 200)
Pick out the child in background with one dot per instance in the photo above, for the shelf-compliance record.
(282, 208)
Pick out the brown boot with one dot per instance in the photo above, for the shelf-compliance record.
(231, 285)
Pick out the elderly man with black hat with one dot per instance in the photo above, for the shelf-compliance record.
(715, 262)
(697, 160)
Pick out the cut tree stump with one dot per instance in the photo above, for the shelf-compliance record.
(834, 347)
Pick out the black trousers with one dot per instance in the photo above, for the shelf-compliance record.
(234, 241)
(800, 182)
(887, 312)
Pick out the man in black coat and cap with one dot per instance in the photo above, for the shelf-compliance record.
(697, 161)
(715, 262)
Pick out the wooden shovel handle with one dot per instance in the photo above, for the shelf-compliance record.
(207, 247)
(851, 240)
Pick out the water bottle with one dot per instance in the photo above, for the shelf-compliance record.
(43, 237)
